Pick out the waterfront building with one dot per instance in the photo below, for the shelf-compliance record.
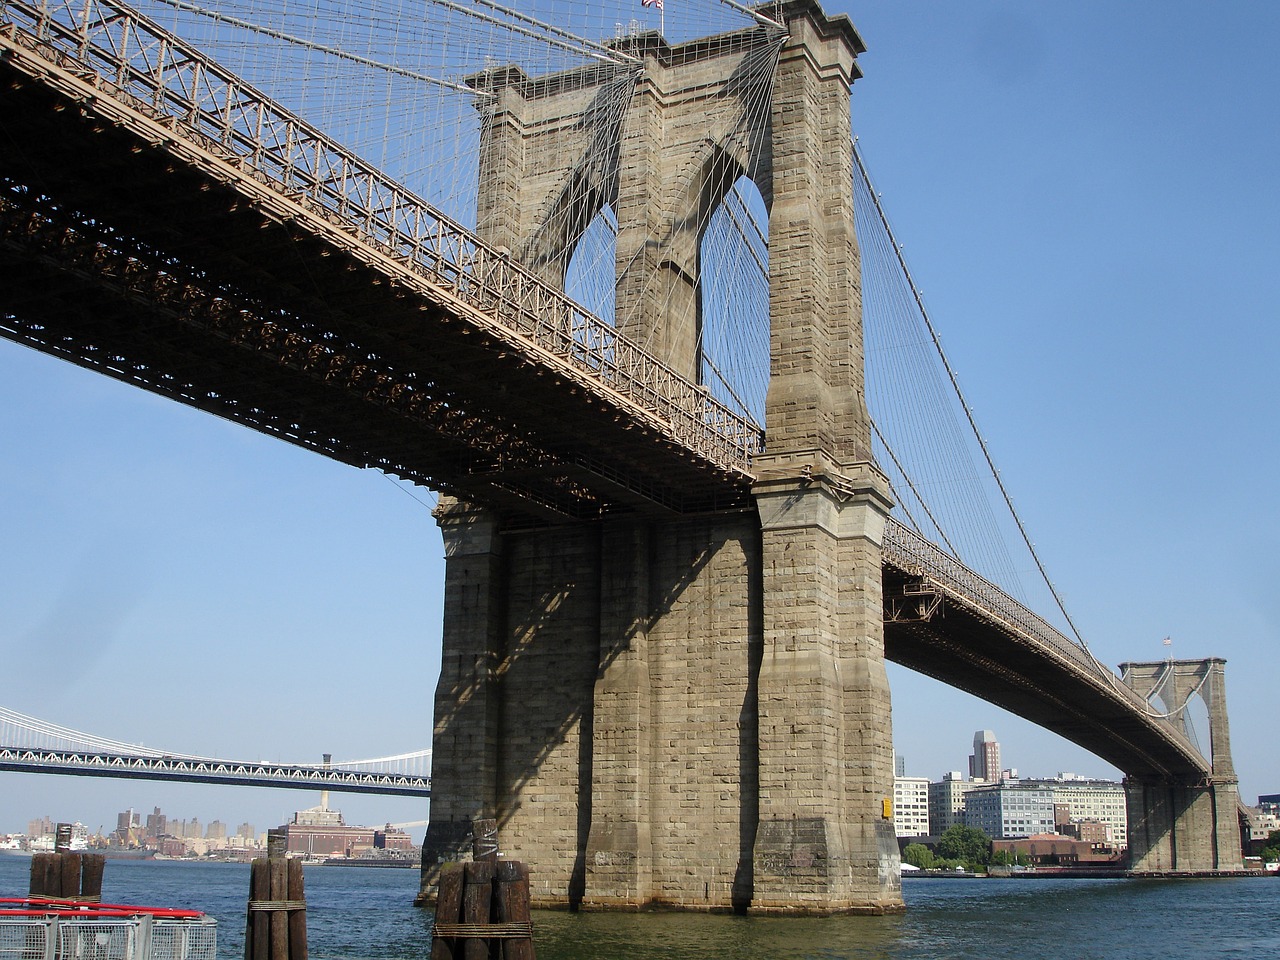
(321, 832)
(1090, 831)
(984, 762)
(911, 806)
(1261, 825)
(1086, 800)
(946, 801)
(1010, 809)
(1051, 849)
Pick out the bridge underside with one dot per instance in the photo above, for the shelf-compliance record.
(154, 272)
(965, 649)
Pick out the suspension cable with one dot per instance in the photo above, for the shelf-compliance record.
(577, 45)
(600, 48)
(319, 47)
(955, 384)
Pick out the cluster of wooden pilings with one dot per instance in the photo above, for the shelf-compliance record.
(67, 876)
(276, 928)
(482, 907)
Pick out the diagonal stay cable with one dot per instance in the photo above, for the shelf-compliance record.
(964, 404)
(912, 487)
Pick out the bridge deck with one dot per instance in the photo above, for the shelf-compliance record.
(981, 640)
(80, 763)
(196, 269)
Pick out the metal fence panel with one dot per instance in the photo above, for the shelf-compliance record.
(100, 938)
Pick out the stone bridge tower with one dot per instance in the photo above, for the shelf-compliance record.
(690, 711)
(1186, 827)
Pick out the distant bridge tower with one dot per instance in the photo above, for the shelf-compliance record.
(1186, 827)
(685, 710)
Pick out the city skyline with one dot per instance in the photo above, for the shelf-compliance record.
(104, 825)
(1095, 231)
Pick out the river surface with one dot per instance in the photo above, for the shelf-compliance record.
(356, 913)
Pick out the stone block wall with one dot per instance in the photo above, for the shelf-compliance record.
(616, 745)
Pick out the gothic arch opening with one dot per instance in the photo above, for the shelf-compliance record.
(733, 296)
(1195, 722)
(590, 276)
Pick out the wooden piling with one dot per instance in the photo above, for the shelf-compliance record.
(482, 912)
(448, 911)
(257, 939)
(512, 900)
(477, 907)
(92, 866)
(279, 883)
(297, 918)
(276, 924)
(69, 867)
(482, 907)
(40, 880)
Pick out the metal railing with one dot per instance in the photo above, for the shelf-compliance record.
(128, 58)
(913, 554)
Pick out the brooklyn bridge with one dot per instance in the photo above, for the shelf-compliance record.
(621, 322)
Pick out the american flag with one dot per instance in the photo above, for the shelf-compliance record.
(657, 4)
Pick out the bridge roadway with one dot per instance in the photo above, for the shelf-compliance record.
(167, 225)
(207, 770)
(944, 620)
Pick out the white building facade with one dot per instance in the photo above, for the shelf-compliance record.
(911, 806)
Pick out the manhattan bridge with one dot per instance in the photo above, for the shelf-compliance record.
(618, 285)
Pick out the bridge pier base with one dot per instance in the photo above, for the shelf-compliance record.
(825, 841)
(1183, 828)
(647, 731)
(597, 698)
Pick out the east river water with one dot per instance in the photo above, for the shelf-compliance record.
(356, 913)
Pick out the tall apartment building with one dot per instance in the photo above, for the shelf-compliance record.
(984, 762)
(946, 801)
(911, 806)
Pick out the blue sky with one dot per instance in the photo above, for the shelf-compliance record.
(1086, 196)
